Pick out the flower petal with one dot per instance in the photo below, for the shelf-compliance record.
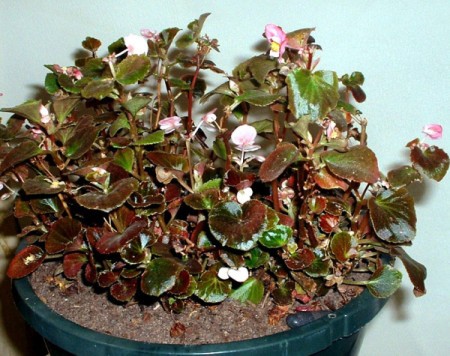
(433, 131)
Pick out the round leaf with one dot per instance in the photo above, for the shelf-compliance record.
(384, 281)
(276, 237)
(277, 161)
(25, 262)
(159, 276)
(358, 164)
(252, 290)
(393, 215)
(343, 245)
(211, 289)
(132, 69)
(238, 227)
(314, 94)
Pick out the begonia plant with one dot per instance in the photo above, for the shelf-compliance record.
(139, 178)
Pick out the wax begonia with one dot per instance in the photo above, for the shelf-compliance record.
(45, 115)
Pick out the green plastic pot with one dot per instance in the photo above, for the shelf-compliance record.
(338, 333)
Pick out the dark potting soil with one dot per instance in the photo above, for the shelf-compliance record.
(197, 324)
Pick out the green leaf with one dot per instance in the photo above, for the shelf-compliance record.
(211, 184)
(276, 237)
(261, 66)
(393, 216)
(51, 83)
(125, 159)
(314, 94)
(358, 164)
(169, 160)
(28, 110)
(19, 154)
(433, 161)
(64, 106)
(237, 226)
(343, 245)
(256, 97)
(384, 282)
(160, 276)
(151, 139)
(98, 88)
(120, 123)
(81, 139)
(251, 291)
(132, 69)
(115, 197)
(196, 27)
(320, 266)
(403, 176)
(416, 271)
(135, 104)
(256, 258)
(277, 161)
(220, 149)
(263, 126)
(211, 289)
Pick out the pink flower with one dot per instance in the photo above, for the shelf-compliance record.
(244, 138)
(74, 72)
(149, 34)
(135, 45)
(45, 116)
(277, 39)
(433, 131)
(170, 124)
(208, 119)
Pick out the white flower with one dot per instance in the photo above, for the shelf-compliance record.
(244, 195)
(238, 274)
(135, 45)
(45, 115)
(170, 124)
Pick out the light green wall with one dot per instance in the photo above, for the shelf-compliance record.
(402, 47)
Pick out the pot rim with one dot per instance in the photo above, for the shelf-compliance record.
(320, 333)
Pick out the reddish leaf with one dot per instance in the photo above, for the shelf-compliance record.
(343, 245)
(124, 289)
(115, 197)
(107, 278)
(328, 223)
(169, 160)
(416, 271)
(326, 180)
(238, 226)
(62, 234)
(278, 160)
(23, 152)
(358, 164)
(238, 180)
(25, 262)
(182, 283)
(393, 215)
(433, 161)
(160, 276)
(72, 264)
(113, 242)
(300, 260)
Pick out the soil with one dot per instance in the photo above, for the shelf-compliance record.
(198, 324)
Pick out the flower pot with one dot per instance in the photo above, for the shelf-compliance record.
(338, 333)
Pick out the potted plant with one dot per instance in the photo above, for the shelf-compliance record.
(126, 180)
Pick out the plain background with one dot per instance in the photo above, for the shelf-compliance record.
(402, 47)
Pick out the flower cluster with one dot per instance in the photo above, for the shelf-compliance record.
(273, 192)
